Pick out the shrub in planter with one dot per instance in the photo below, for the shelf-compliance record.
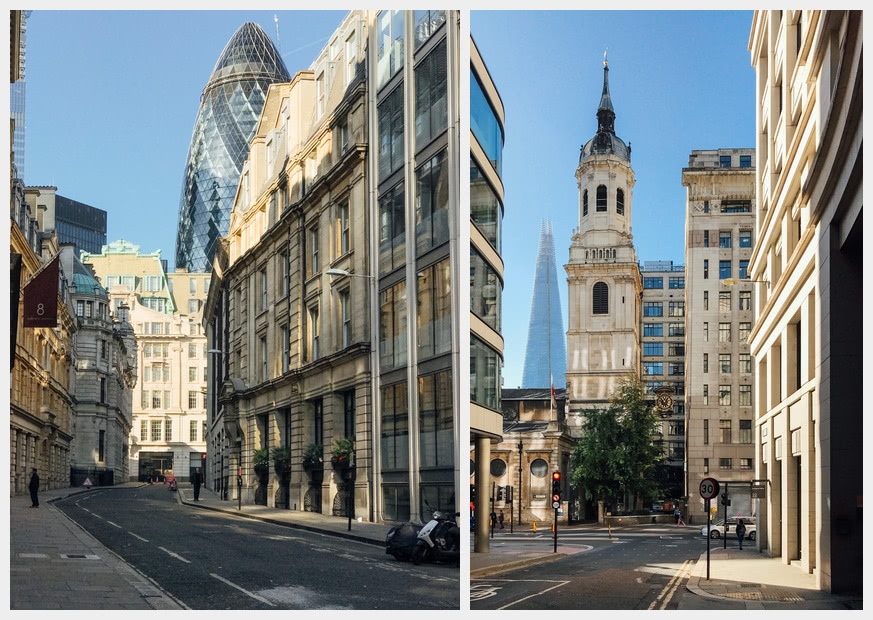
(343, 448)
(313, 456)
(281, 457)
(261, 462)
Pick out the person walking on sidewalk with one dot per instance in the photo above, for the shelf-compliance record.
(500, 518)
(741, 532)
(34, 489)
(197, 481)
(679, 520)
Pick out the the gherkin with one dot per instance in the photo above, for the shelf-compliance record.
(229, 110)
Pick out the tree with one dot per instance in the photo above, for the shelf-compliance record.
(616, 453)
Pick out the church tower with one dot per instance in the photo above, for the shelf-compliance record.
(603, 277)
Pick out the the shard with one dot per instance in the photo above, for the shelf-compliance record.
(545, 357)
(230, 106)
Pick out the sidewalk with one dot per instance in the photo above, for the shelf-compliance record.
(55, 564)
(747, 575)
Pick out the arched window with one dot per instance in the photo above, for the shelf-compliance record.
(601, 198)
(584, 202)
(601, 298)
(619, 201)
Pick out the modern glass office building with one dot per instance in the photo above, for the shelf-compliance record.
(546, 355)
(80, 224)
(229, 110)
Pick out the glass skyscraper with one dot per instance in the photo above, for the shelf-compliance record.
(229, 110)
(546, 354)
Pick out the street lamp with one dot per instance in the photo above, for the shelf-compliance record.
(343, 272)
(735, 281)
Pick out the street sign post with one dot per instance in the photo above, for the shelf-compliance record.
(709, 488)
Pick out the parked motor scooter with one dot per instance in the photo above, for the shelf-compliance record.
(439, 540)
(401, 539)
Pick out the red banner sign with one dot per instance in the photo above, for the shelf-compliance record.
(41, 297)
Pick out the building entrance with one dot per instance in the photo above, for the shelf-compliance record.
(155, 466)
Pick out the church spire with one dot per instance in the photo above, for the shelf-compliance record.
(605, 112)
(605, 141)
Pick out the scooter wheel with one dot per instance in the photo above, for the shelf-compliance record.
(417, 556)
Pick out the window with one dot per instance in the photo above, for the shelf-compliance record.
(192, 399)
(392, 327)
(724, 269)
(392, 230)
(319, 93)
(263, 278)
(80, 308)
(601, 198)
(653, 348)
(342, 229)
(619, 201)
(676, 308)
(676, 349)
(584, 202)
(348, 413)
(485, 364)
(653, 368)
(706, 238)
(485, 208)
(724, 431)
(653, 308)
(390, 113)
(193, 306)
(156, 430)
(724, 161)
(736, 206)
(706, 362)
(705, 394)
(745, 396)
(724, 363)
(676, 369)
(724, 395)
(745, 330)
(724, 239)
(706, 269)
(351, 57)
(653, 282)
(345, 319)
(676, 329)
(263, 355)
(431, 96)
(485, 290)
(745, 161)
(653, 329)
(745, 463)
(144, 430)
(724, 301)
(192, 373)
(312, 263)
(724, 464)
(168, 430)
(89, 309)
(745, 300)
(432, 203)
(436, 443)
(192, 430)
(389, 45)
(152, 283)
(394, 428)
(284, 273)
(706, 300)
(745, 364)
(706, 331)
(744, 269)
(677, 281)
(102, 389)
(706, 466)
(156, 399)
(426, 23)
(745, 431)
(192, 350)
(286, 348)
(600, 299)
(724, 332)
(484, 124)
(705, 430)
(745, 238)
(192, 285)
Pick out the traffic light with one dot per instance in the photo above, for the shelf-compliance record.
(472, 492)
(508, 493)
(556, 486)
(499, 493)
(724, 500)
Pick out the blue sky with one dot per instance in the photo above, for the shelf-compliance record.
(679, 80)
(112, 97)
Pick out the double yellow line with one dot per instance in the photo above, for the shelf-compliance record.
(669, 590)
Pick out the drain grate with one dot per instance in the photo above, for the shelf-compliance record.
(744, 596)
(782, 595)
(78, 556)
(750, 585)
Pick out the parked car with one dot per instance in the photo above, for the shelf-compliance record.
(717, 529)
(658, 506)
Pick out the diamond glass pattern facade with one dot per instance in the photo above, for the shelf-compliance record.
(229, 110)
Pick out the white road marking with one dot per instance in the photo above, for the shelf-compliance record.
(243, 590)
(140, 537)
(669, 590)
(32, 555)
(533, 595)
(175, 555)
(115, 524)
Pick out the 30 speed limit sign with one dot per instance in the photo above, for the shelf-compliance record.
(709, 488)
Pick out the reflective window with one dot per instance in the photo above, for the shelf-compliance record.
(391, 133)
(432, 203)
(392, 230)
(392, 327)
(484, 125)
(434, 320)
(485, 364)
(485, 290)
(653, 282)
(653, 329)
(485, 208)
(426, 23)
(394, 428)
(436, 434)
(431, 96)
(389, 45)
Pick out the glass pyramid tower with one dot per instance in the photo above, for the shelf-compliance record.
(229, 110)
(546, 354)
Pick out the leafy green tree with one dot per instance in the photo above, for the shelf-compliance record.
(616, 452)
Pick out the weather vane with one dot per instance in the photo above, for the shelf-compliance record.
(605, 62)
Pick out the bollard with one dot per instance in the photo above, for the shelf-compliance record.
(609, 529)
(535, 526)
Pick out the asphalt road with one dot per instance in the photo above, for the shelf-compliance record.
(629, 571)
(210, 560)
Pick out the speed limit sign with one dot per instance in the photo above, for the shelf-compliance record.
(709, 488)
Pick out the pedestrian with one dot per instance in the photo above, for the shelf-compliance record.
(500, 519)
(679, 520)
(741, 532)
(196, 480)
(34, 489)
(676, 514)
